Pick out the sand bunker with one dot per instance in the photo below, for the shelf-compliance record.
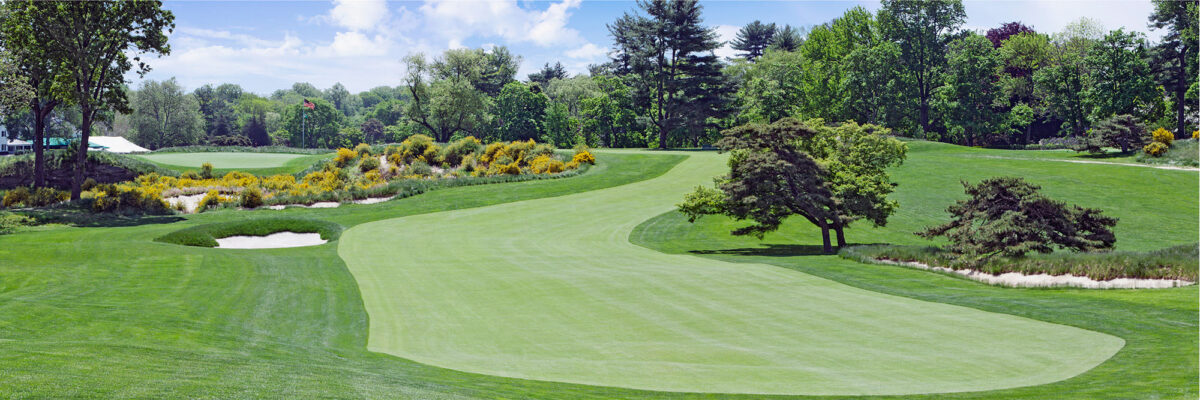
(1016, 279)
(272, 241)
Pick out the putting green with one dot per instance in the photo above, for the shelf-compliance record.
(224, 161)
(551, 289)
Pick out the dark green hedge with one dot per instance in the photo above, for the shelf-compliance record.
(207, 235)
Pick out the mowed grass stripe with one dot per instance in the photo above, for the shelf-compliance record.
(551, 289)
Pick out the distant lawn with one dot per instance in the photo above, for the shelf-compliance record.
(223, 162)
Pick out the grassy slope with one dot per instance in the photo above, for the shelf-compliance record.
(255, 163)
(552, 289)
(1157, 209)
(80, 316)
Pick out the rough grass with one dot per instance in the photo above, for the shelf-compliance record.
(206, 235)
(1177, 262)
(1182, 153)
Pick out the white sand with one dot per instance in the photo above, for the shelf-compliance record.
(373, 200)
(325, 204)
(272, 241)
(1016, 279)
(189, 202)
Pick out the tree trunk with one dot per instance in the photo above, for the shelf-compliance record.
(841, 236)
(1180, 92)
(39, 150)
(81, 154)
(827, 247)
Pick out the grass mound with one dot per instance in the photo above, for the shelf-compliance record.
(207, 235)
(1177, 262)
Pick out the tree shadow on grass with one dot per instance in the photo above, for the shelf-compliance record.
(1102, 156)
(777, 250)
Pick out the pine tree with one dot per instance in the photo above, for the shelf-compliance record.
(678, 77)
(753, 39)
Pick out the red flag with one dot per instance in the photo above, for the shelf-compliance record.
(309, 104)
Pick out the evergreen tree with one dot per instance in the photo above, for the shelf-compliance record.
(1176, 58)
(753, 39)
(679, 78)
(549, 73)
(787, 38)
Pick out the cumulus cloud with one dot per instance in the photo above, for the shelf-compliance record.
(726, 33)
(458, 20)
(358, 14)
(588, 51)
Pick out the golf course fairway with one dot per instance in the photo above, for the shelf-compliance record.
(552, 289)
(223, 160)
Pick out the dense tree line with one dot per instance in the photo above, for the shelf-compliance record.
(910, 67)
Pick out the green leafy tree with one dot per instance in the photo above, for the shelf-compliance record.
(679, 78)
(966, 101)
(610, 117)
(823, 53)
(520, 113)
(98, 41)
(753, 39)
(1020, 120)
(875, 88)
(342, 99)
(1120, 76)
(1022, 55)
(498, 68)
(445, 100)
(39, 63)
(218, 106)
(389, 112)
(772, 87)
(15, 92)
(922, 29)
(315, 128)
(571, 92)
(1176, 53)
(1062, 83)
(560, 127)
(254, 114)
(1010, 217)
(164, 115)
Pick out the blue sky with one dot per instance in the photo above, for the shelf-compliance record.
(268, 45)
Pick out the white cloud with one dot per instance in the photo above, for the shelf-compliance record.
(348, 44)
(588, 51)
(1052, 16)
(726, 33)
(458, 20)
(358, 14)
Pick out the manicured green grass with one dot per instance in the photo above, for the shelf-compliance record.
(108, 312)
(562, 295)
(255, 163)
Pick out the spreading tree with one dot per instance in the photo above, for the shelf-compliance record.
(39, 64)
(1010, 217)
(100, 41)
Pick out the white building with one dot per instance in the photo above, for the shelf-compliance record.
(12, 145)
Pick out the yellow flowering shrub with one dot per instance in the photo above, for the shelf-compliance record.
(16, 197)
(415, 146)
(1156, 149)
(211, 199)
(584, 157)
(431, 154)
(546, 165)
(1163, 136)
(491, 152)
(251, 197)
(363, 150)
(1196, 134)
(344, 157)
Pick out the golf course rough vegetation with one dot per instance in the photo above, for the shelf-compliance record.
(590, 307)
